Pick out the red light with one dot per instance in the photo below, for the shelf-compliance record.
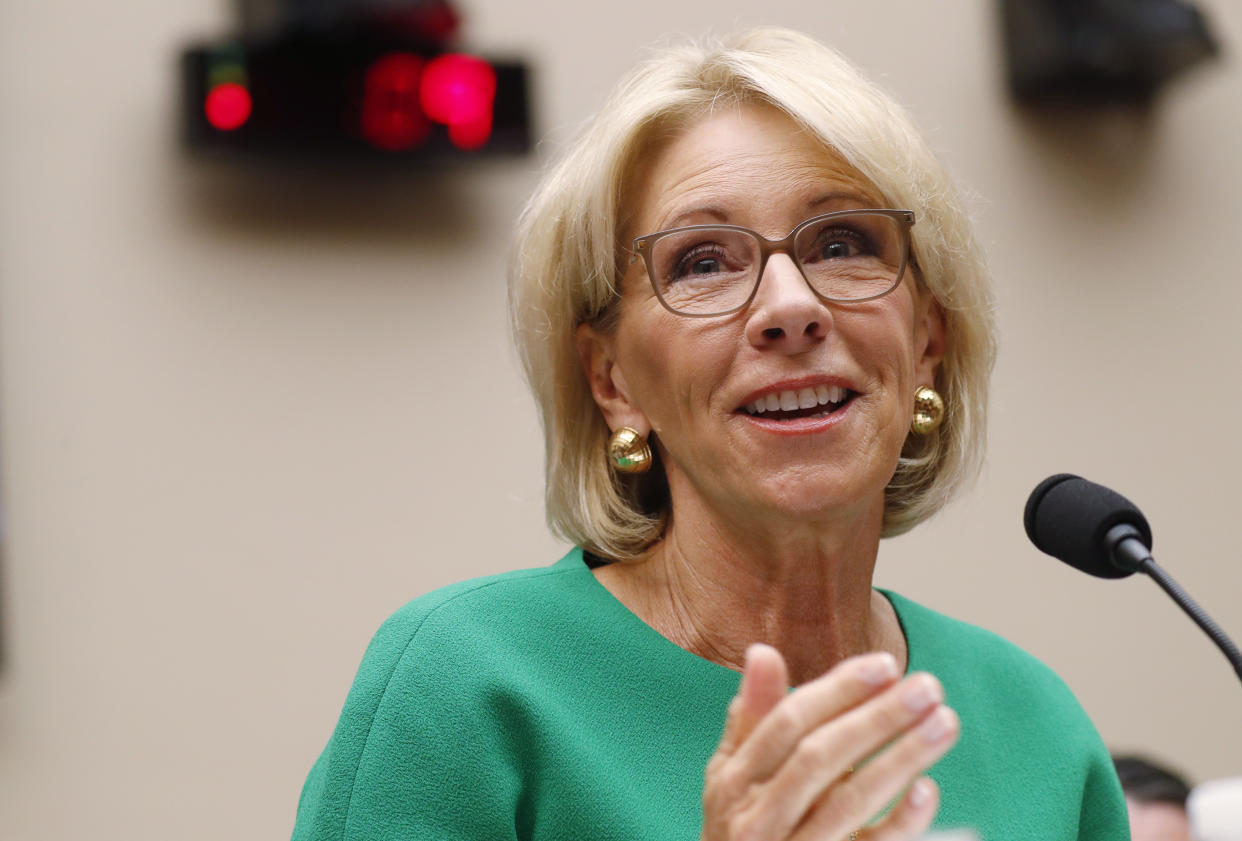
(471, 135)
(458, 90)
(227, 106)
(391, 117)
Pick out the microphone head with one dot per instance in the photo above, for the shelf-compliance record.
(1067, 517)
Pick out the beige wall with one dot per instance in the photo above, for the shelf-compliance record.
(244, 416)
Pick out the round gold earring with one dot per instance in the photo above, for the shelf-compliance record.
(628, 451)
(928, 411)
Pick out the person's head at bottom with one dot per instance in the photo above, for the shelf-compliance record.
(1156, 799)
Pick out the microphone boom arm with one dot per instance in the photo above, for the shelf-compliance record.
(1128, 552)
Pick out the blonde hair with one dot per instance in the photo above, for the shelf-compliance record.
(567, 270)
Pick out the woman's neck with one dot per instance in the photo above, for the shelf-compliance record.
(806, 591)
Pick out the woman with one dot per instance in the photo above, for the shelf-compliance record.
(735, 284)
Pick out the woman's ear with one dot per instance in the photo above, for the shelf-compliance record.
(929, 341)
(597, 350)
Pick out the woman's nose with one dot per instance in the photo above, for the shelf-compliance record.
(785, 313)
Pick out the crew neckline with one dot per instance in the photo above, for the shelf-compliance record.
(576, 559)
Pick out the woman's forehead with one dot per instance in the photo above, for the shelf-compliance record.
(739, 161)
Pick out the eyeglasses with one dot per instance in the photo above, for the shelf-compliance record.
(709, 270)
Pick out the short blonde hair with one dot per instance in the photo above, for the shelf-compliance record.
(567, 269)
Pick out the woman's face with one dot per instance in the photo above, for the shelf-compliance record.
(691, 380)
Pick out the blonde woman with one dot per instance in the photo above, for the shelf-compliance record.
(759, 334)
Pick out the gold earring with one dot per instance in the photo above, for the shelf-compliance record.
(928, 411)
(628, 451)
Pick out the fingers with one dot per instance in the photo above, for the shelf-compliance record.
(785, 765)
(765, 682)
(811, 783)
(819, 701)
(853, 802)
(911, 817)
(763, 725)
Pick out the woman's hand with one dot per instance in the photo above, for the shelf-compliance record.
(785, 768)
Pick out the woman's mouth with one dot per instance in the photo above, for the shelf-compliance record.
(795, 404)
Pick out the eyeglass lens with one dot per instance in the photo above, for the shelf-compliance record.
(714, 270)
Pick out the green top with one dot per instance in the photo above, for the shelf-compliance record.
(534, 705)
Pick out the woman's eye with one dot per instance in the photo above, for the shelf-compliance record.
(836, 248)
(699, 262)
(839, 244)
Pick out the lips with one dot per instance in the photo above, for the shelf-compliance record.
(806, 402)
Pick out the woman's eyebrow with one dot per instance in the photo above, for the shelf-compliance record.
(836, 196)
(718, 213)
(681, 218)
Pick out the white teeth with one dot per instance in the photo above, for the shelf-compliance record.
(804, 398)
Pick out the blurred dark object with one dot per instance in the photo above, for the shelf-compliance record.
(435, 21)
(1148, 782)
(365, 80)
(1100, 51)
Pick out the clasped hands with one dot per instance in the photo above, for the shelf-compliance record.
(823, 761)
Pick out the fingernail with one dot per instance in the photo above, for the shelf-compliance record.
(920, 793)
(922, 692)
(938, 725)
(878, 669)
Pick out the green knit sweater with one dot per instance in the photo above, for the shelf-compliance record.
(534, 705)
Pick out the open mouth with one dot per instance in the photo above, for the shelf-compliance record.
(816, 402)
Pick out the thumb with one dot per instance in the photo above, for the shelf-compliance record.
(765, 681)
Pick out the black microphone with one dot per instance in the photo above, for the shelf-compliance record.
(1100, 532)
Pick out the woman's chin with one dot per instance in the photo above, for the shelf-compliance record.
(815, 497)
